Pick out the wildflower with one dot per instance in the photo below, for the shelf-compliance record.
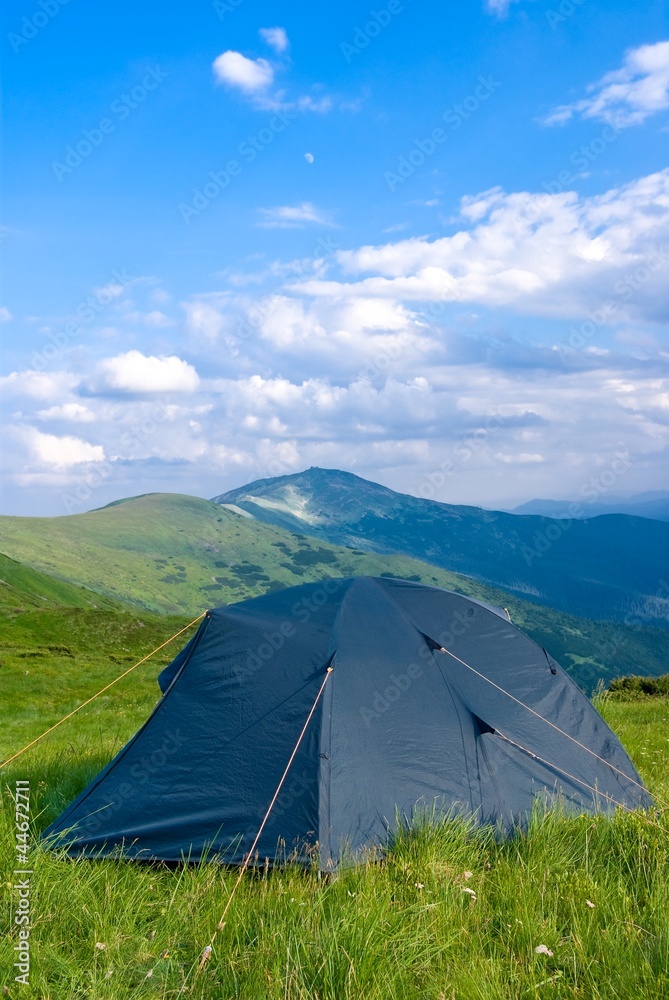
(149, 974)
(419, 885)
(541, 949)
(99, 946)
(468, 874)
(470, 892)
(590, 904)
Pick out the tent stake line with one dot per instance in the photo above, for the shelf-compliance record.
(206, 954)
(102, 691)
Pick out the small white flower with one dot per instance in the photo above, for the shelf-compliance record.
(589, 903)
(468, 874)
(541, 949)
(149, 974)
(469, 891)
(99, 946)
(419, 885)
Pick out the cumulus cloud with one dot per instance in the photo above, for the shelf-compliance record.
(38, 385)
(135, 372)
(541, 254)
(292, 216)
(626, 96)
(73, 412)
(236, 70)
(61, 452)
(276, 38)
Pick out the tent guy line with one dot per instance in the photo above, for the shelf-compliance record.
(360, 767)
(548, 723)
(101, 691)
(206, 954)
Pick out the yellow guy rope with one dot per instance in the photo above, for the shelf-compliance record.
(206, 954)
(105, 688)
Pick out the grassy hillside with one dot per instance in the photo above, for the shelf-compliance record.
(179, 555)
(606, 567)
(399, 928)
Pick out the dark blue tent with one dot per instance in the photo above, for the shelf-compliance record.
(434, 701)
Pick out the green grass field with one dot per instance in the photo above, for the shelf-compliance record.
(447, 914)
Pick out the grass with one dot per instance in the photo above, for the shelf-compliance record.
(400, 927)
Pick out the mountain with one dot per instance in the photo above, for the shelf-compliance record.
(179, 555)
(653, 504)
(612, 567)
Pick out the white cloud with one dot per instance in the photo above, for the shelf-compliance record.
(135, 372)
(250, 75)
(38, 385)
(499, 7)
(74, 412)
(61, 452)
(292, 216)
(626, 96)
(545, 255)
(276, 38)
(208, 316)
(520, 458)
(5, 315)
(154, 318)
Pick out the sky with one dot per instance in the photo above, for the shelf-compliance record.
(425, 243)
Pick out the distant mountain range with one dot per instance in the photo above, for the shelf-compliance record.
(653, 504)
(614, 567)
(179, 555)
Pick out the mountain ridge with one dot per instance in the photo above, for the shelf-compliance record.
(610, 567)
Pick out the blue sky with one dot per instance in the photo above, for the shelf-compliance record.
(427, 244)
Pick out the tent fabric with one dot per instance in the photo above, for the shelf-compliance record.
(408, 721)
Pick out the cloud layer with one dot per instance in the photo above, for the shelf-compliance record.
(626, 96)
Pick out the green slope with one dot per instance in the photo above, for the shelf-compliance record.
(177, 555)
(22, 587)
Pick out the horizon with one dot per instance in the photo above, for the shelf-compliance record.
(427, 247)
(76, 503)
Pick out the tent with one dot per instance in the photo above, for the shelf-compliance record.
(415, 698)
